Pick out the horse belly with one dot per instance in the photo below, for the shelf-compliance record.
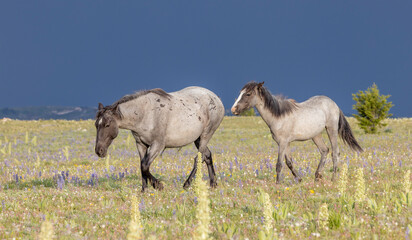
(183, 132)
(308, 127)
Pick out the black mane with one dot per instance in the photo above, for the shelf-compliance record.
(114, 107)
(278, 105)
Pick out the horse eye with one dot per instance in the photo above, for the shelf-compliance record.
(248, 94)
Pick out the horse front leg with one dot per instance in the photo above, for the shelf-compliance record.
(152, 152)
(143, 154)
(281, 156)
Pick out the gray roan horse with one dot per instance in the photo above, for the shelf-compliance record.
(291, 121)
(160, 120)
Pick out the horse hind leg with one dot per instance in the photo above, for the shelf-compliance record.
(194, 170)
(288, 160)
(200, 144)
(209, 162)
(323, 149)
(333, 137)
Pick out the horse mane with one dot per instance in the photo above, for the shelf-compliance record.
(278, 105)
(114, 107)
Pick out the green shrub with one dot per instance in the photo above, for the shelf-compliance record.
(249, 112)
(372, 109)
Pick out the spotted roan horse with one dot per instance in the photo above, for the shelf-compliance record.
(291, 121)
(160, 120)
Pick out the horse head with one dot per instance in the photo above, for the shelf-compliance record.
(247, 97)
(107, 128)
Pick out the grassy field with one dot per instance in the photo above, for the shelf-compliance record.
(49, 171)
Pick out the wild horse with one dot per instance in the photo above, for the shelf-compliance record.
(291, 121)
(160, 120)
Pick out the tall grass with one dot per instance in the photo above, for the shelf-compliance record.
(202, 209)
(91, 198)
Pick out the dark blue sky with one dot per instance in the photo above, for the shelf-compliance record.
(79, 53)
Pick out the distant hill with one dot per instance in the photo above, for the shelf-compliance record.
(49, 112)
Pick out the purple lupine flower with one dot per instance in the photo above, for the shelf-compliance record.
(230, 166)
(257, 172)
(371, 169)
(195, 199)
(400, 163)
(60, 182)
(141, 205)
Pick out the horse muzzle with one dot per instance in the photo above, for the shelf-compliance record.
(100, 151)
(234, 111)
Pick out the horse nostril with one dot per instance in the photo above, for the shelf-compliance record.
(234, 109)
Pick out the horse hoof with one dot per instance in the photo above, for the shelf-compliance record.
(186, 185)
(298, 180)
(213, 184)
(158, 185)
(318, 177)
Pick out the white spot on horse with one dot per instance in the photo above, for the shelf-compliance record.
(100, 121)
(238, 99)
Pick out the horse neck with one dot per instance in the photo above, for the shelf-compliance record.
(265, 113)
(131, 114)
(272, 121)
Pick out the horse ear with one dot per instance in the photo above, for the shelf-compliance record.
(260, 84)
(100, 106)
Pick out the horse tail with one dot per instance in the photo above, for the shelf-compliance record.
(346, 134)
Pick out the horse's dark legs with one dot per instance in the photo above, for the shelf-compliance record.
(288, 160)
(209, 162)
(142, 153)
(333, 137)
(323, 149)
(281, 155)
(145, 163)
(192, 174)
(207, 156)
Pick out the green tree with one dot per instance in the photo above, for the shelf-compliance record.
(372, 109)
(249, 112)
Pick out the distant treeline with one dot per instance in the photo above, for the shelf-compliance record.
(67, 113)
(49, 112)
